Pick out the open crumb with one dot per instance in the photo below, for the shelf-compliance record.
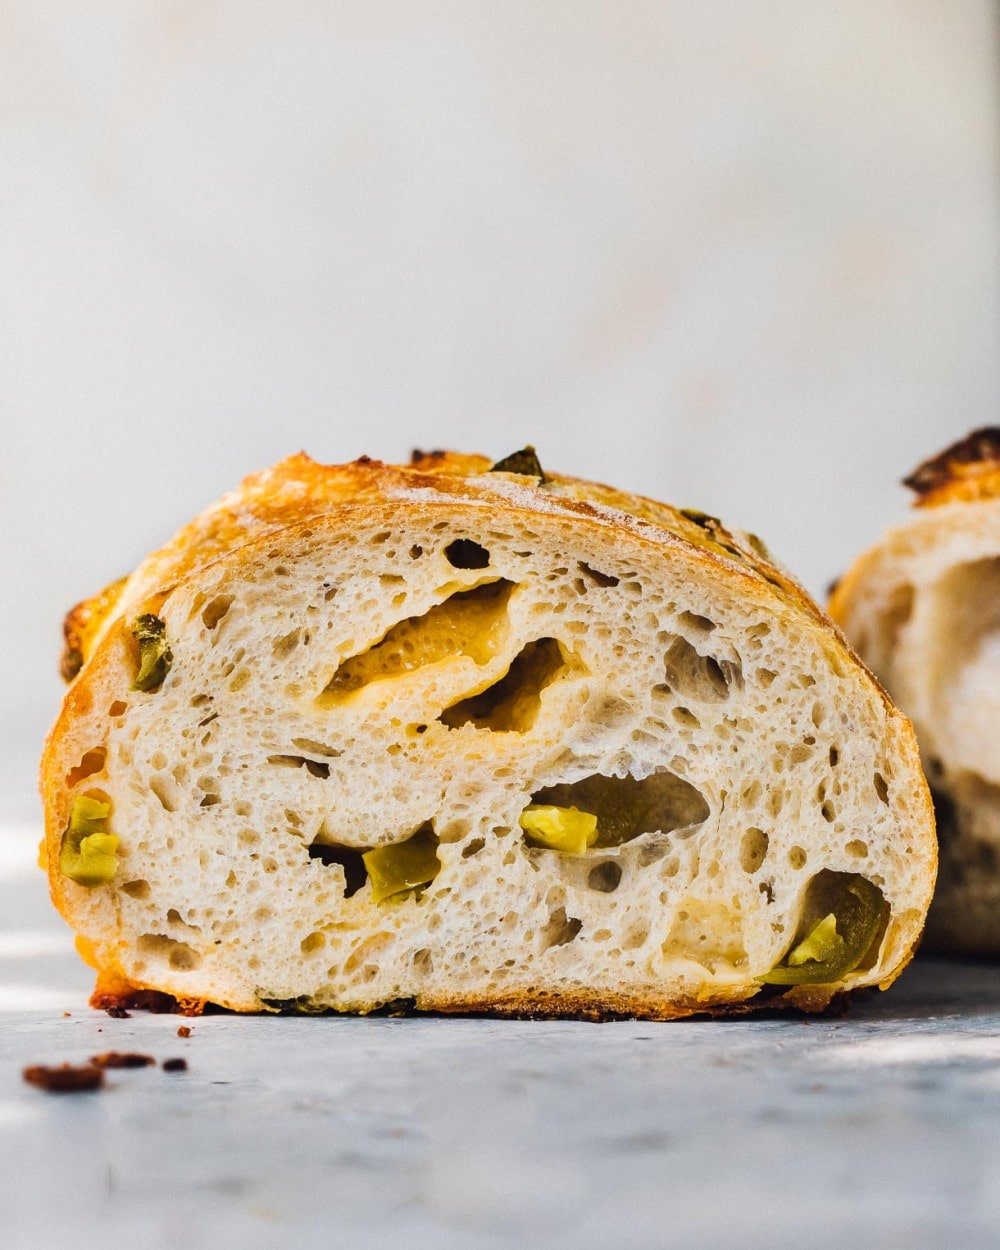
(122, 1059)
(66, 1078)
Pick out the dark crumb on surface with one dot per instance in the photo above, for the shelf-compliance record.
(121, 1059)
(184, 1030)
(67, 1014)
(153, 1001)
(67, 1078)
(175, 1065)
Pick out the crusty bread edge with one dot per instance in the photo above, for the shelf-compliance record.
(748, 570)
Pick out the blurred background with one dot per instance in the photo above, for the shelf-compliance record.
(741, 254)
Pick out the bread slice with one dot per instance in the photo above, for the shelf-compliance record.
(337, 660)
(923, 609)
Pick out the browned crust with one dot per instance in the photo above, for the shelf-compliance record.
(81, 625)
(965, 471)
(595, 1007)
(603, 1007)
(297, 494)
(158, 1003)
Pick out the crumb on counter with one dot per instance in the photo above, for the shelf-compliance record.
(122, 1059)
(66, 1078)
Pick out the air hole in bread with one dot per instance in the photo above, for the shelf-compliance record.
(91, 762)
(174, 917)
(118, 708)
(469, 623)
(317, 748)
(626, 807)
(696, 622)
(511, 704)
(464, 553)
(283, 647)
(753, 850)
(315, 768)
(697, 677)
(312, 943)
(349, 860)
(857, 849)
(605, 877)
(179, 956)
(881, 788)
(166, 792)
(821, 897)
(560, 929)
(215, 610)
(473, 848)
(606, 580)
(797, 857)
(136, 889)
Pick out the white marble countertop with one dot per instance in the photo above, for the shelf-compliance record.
(880, 1128)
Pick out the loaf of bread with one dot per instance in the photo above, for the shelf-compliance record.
(463, 737)
(923, 609)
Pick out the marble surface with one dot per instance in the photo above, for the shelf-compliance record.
(879, 1128)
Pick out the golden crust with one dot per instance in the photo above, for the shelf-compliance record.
(299, 492)
(965, 471)
(114, 993)
(82, 625)
(298, 489)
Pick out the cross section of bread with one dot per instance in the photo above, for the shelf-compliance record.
(364, 671)
(923, 609)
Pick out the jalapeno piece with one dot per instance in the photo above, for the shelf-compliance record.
(837, 943)
(403, 866)
(524, 462)
(155, 656)
(559, 828)
(87, 854)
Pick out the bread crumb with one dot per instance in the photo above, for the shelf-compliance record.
(67, 1078)
(121, 1059)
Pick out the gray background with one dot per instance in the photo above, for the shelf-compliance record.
(741, 255)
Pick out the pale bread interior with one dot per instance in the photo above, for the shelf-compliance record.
(923, 609)
(747, 748)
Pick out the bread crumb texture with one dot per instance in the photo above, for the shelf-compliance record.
(367, 657)
(923, 609)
